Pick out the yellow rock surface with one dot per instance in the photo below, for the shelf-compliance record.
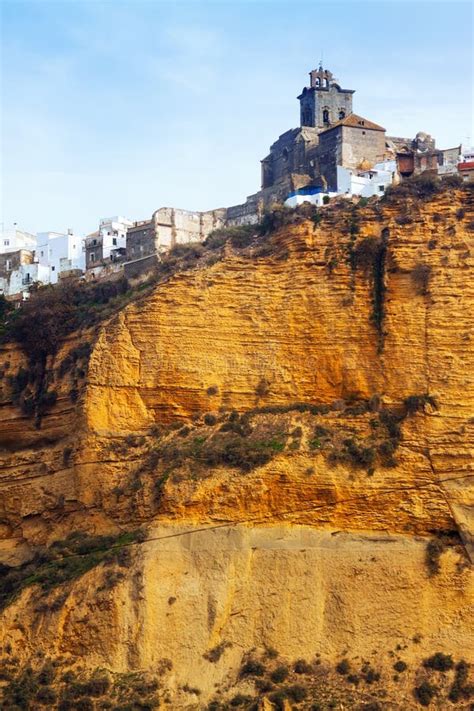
(323, 558)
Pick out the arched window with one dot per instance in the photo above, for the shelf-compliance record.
(318, 82)
(285, 154)
(342, 114)
(325, 116)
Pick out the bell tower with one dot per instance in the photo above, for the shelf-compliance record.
(323, 102)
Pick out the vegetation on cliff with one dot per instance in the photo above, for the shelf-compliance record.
(64, 561)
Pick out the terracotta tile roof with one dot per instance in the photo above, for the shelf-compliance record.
(355, 121)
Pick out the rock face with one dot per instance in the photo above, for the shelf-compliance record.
(348, 343)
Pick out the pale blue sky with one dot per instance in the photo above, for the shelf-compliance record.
(124, 106)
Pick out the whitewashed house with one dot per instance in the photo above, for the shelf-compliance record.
(14, 239)
(366, 183)
(60, 253)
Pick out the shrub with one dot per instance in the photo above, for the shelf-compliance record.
(302, 667)
(46, 696)
(415, 403)
(210, 419)
(365, 253)
(279, 674)
(343, 667)
(240, 700)
(370, 676)
(459, 688)
(214, 654)
(400, 666)
(212, 390)
(252, 668)
(460, 213)
(239, 236)
(296, 693)
(439, 662)
(424, 693)
(452, 181)
(433, 552)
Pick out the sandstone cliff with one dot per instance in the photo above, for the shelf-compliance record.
(291, 427)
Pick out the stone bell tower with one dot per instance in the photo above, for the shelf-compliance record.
(324, 103)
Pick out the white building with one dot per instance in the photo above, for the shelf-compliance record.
(366, 183)
(59, 252)
(13, 239)
(113, 231)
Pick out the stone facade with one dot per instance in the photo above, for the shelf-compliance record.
(353, 143)
(170, 226)
(324, 103)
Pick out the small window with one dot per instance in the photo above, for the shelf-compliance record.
(382, 188)
(363, 133)
(53, 269)
(6, 242)
(42, 253)
(326, 116)
(94, 242)
(342, 114)
(8, 265)
(114, 240)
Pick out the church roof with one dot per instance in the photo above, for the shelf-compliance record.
(355, 121)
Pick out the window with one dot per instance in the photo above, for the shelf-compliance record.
(342, 114)
(285, 154)
(363, 133)
(42, 253)
(92, 257)
(53, 269)
(6, 242)
(326, 116)
(382, 188)
(8, 265)
(114, 240)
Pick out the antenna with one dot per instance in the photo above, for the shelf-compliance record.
(321, 60)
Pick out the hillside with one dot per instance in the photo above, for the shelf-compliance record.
(248, 483)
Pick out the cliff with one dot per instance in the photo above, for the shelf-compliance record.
(289, 424)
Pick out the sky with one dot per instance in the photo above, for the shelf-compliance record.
(120, 107)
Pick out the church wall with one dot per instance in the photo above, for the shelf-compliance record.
(330, 155)
(361, 144)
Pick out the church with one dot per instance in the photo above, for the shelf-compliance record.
(333, 141)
